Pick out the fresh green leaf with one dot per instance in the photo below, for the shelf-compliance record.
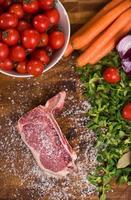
(103, 197)
(112, 131)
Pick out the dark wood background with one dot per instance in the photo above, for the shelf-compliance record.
(31, 92)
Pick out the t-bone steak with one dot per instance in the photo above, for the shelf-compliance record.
(42, 134)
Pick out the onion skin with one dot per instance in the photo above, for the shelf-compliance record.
(124, 49)
(124, 45)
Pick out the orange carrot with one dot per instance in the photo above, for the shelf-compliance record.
(104, 38)
(102, 12)
(69, 50)
(110, 45)
(100, 25)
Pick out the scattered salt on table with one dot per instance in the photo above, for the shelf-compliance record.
(18, 161)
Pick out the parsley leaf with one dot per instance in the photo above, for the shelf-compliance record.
(112, 131)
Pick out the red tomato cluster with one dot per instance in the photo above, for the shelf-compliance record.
(29, 35)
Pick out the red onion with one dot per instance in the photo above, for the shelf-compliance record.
(124, 49)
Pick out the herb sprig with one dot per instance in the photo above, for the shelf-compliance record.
(112, 131)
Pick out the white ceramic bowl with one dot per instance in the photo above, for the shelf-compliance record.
(65, 24)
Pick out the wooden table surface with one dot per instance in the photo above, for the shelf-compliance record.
(20, 95)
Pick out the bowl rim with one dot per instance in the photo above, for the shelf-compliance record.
(56, 61)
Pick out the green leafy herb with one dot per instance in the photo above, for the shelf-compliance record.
(112, 131)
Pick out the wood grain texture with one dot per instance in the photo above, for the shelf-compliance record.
(81, 11)
(37, 91)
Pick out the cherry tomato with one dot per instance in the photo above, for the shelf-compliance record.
(4, 51)
(35, 67)
(17, 9)
(30, 6)
(7, 3)
(53, 16)
(17, 54)
(8, 20)
(56, 40)
(21, 68)
(41, 23)
(111, 75)
(126, 112)
(30, 38)
(41, 55)
(1, 2)
(7, 64)
(23, 25)
(10, 37)
(43, 40)
(46, 4)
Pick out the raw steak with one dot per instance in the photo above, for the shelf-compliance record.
(41, 133)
